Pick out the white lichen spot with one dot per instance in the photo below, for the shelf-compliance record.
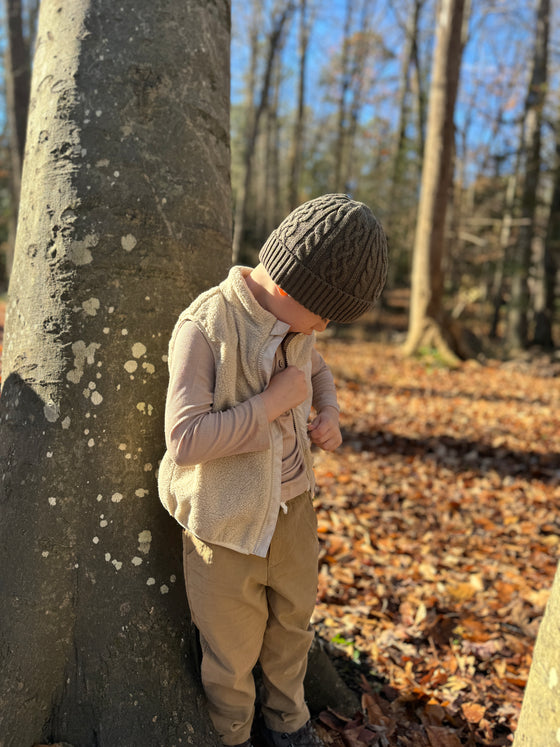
(103, 162)
(165, 358)
(173, 578)
(49, 454)
(45, 553)
(86, 431)
(138, 350)
(51, 411)
(148, 467)
(86, 392)
(92, 385)
(91, 306)
(116, 174)
(145, 409)
(130, 366)
(110, 309)
(98, 112)
(82, 354)
(79, 251)
(107, 556)
(52, 501)
(144, 541)
(96, 398)
(552, 678)
(103, 523)
(150, 582)
(91, 443)
(122, 447)
(150, 368)
(117, 564)
(99, 497)
(128, 242)
(164, 589)
(66, 423)
(141, 492)
(95, 540)
(124, 332)
(116, 497)
(136, 560)
(106, 330)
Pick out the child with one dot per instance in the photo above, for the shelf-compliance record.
(237, 473)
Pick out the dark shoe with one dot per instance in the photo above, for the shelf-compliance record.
(304, 737)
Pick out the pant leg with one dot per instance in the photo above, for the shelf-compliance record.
(227, 598)
(292, 591)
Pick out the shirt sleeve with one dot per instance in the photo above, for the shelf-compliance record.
(193, 432)
(324, 390)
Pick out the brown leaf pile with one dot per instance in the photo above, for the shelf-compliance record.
(440, 528)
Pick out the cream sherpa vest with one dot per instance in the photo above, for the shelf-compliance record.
(234, 501)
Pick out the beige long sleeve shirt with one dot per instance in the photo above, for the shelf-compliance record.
(194, 434)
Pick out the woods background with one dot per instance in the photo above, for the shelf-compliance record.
(335, 97)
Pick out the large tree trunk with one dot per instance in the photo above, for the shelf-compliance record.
(539, 721)
(124, 218)
(428, 325)
(518, 322)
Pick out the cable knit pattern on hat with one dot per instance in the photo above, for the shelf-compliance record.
(330, 255)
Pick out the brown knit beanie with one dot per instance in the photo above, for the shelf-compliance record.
(330, 255)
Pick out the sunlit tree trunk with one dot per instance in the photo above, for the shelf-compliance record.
(519, 305)
(342, 104)
(545, 292)
(505, 246)
(427, 323)
(125, 216)
(299, 123)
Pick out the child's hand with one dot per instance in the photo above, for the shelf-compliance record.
(324, 430)
(286, 390)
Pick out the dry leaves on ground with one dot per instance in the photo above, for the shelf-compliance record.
(440, 530)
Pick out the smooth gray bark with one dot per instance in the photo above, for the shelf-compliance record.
(539, 721)
(124, 218)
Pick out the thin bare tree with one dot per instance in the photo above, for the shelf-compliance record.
(428, 323)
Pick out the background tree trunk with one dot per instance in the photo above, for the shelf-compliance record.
(17, 104)
(427, 324)
(124, 218)
(545, 303)
(299, 123)
(273, 45)
(519, 305)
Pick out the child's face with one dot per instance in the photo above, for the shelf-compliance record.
(298, 317)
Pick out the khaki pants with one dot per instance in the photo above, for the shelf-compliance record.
(251, 609)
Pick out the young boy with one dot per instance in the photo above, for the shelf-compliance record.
(237, 473)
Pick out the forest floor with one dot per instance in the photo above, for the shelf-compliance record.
(439, 526)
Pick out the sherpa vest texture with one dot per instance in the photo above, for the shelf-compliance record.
(234, 501)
